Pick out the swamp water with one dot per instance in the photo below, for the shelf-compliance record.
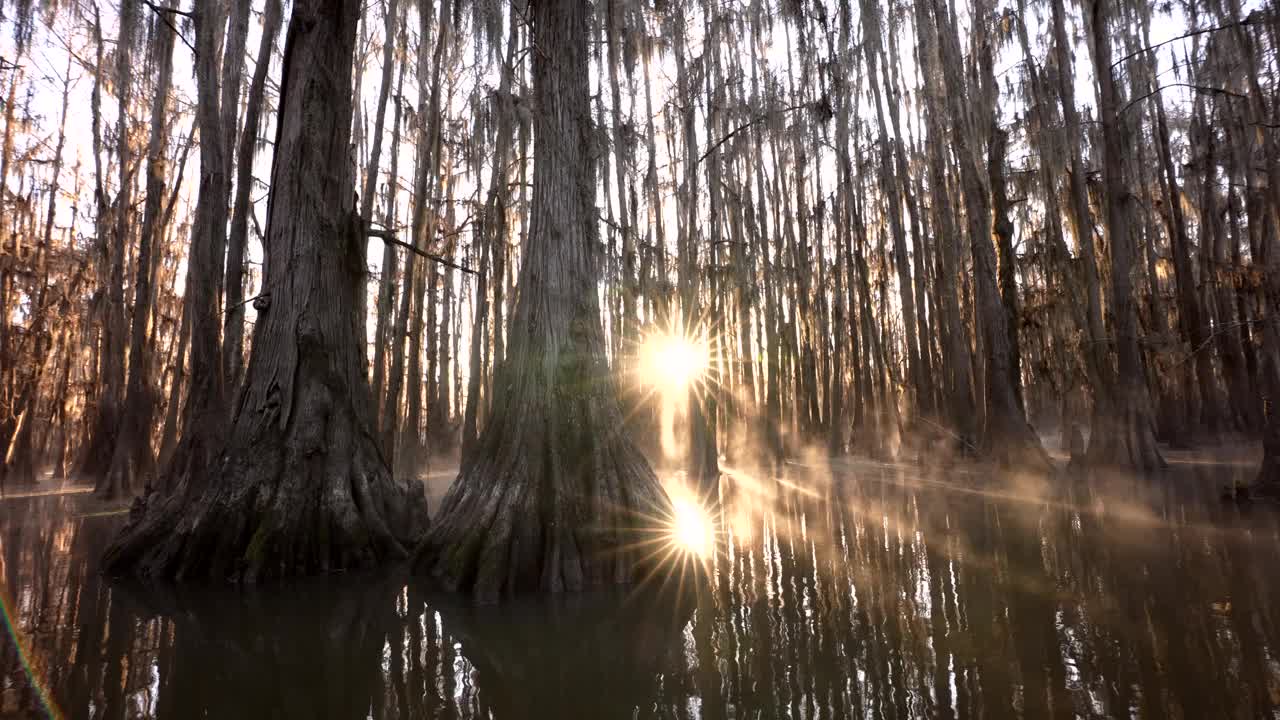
(858, 590)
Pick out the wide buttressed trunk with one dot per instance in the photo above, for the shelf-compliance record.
(300, 486)
(556, 497)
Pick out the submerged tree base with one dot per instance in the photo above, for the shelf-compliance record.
(314, 497)
(1268, 482)
(1122, 435)
(548, 507)
(1013, 444)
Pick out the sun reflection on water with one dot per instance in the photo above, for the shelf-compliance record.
(692, 531)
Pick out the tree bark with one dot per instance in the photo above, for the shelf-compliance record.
(205, 409)
(105, 431)
(299, 486)
(494, 236)
(557, 492)
(382, 332)
(1122, 432)
(390, 18)
(956, 343)
(133, 458)
(1094, 340)
(1007, 436)
(238, 238)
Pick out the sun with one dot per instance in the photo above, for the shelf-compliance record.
(673, 362)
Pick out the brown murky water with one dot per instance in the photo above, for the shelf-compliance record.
(851, 591)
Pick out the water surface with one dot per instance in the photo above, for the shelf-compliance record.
(854, 590)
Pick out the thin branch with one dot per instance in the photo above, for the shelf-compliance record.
(171, 11)
(1218, 331)
(164, 12)
(745, 126)
(1239, 23)
(389, 236)
(1198, 88)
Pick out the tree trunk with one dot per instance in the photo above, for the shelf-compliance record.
(20, 464)
(956, 344)
(889, 184)
(494, 236)
(1002, 228)
(300, 485)
(237, 240)
(1094, 340)
(409, 443)
(1122, 432)
(133, 458)
(557, 490)
(390, 18)
(1007, 435)
(105, 431)
(390, 258)
(204, 413)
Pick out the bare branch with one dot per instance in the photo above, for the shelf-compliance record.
(1251, 20)
(163, 13)
(745, 126)
(171, 11)
(1198, 88)
(389, 236)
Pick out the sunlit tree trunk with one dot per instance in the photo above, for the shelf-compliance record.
(956, 344)
(387, 285)
(1094, 342)
(19, 463)
(890, 186)
(105, 431)
(132, 458)
(702, 464)
(1189, 322)
(204, 412)
(427, 204)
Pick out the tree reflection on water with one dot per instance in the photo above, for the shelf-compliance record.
(861, 591)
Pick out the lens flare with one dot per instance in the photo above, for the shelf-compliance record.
(691, 530)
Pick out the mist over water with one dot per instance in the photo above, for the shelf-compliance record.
(854, 589)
